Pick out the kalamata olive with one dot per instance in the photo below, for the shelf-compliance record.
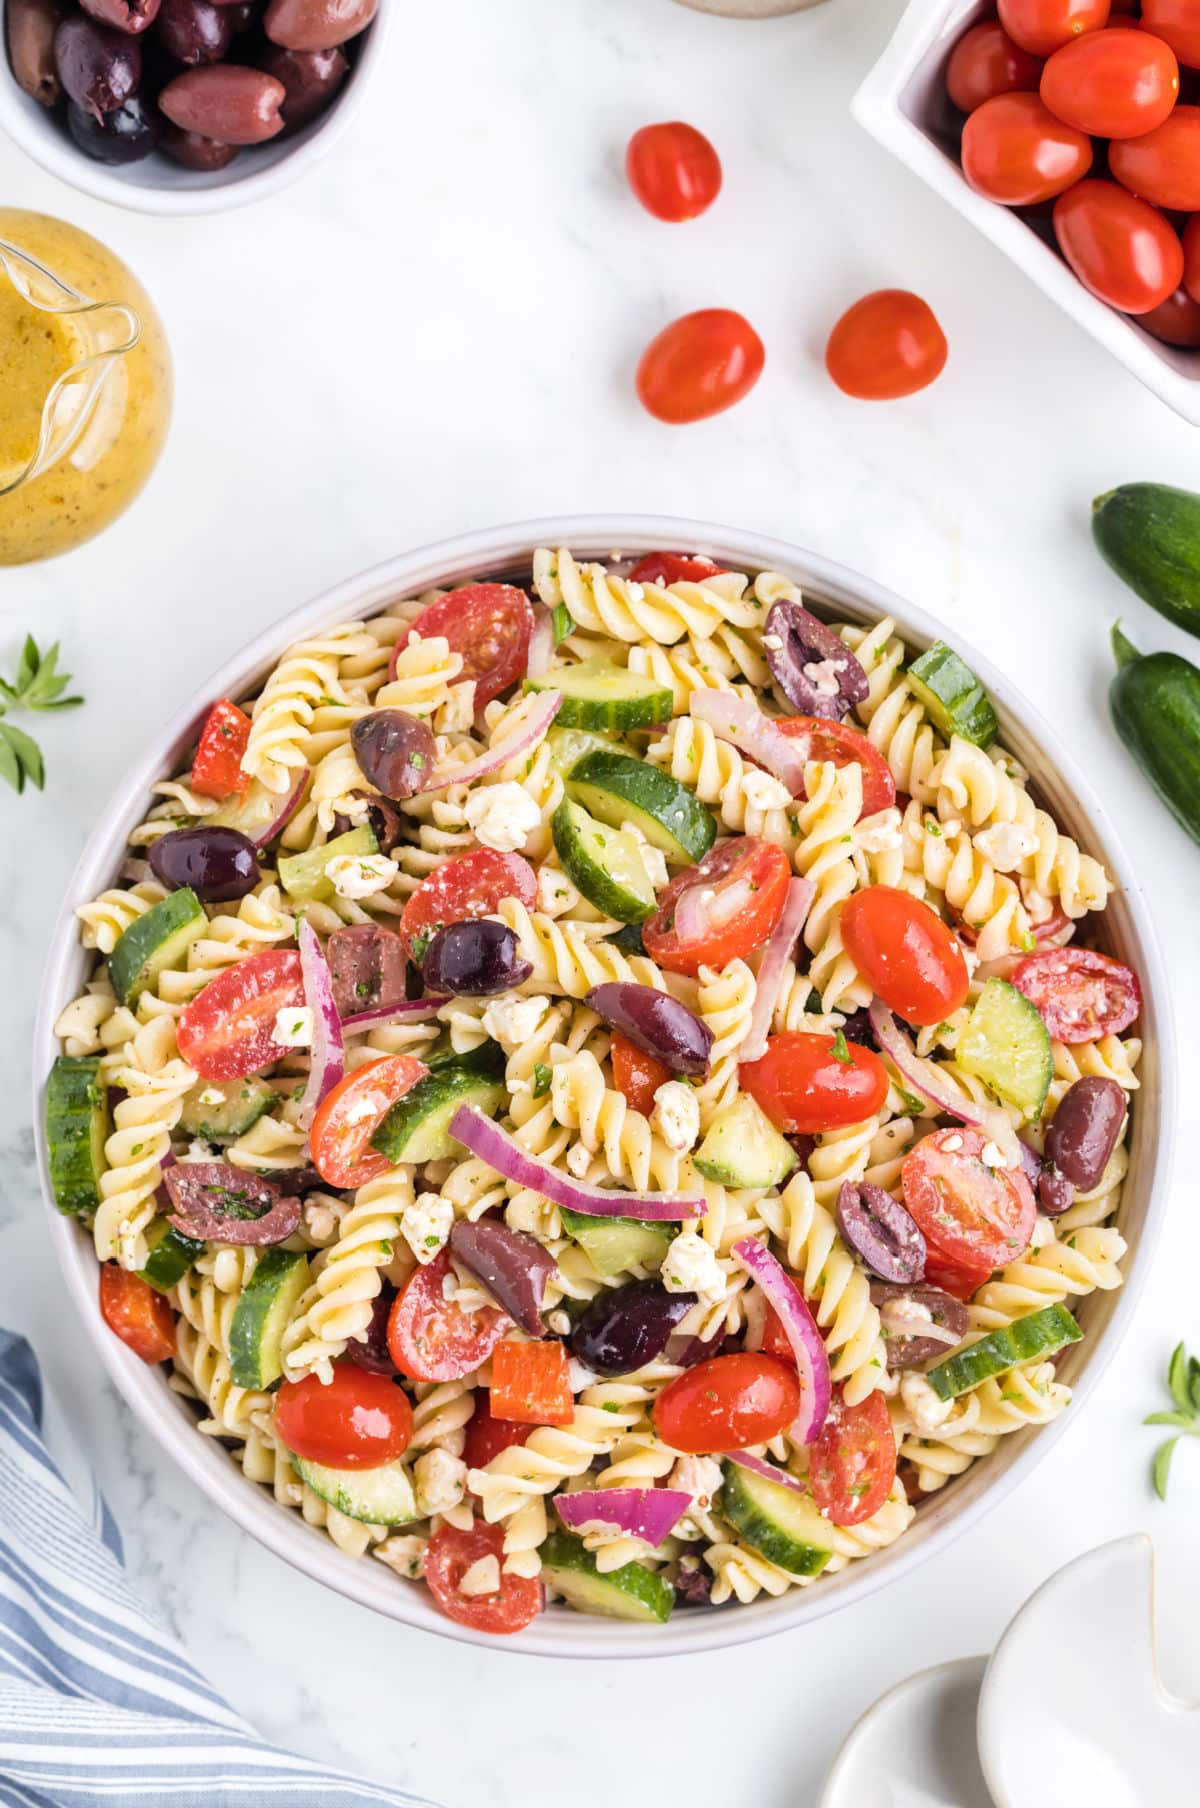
(371, 1352)
(906, 1314)
(99, 68)
(217, 863)
(29, 28)
(317, 24)
(121, 137)
(686, 1350)
(395, 752)
(693, 1583)
(513, 1266)
(132, 16)
(194, 151)
(1084, 1130)
(387, 824)
(219, 1203)
(194, 31)
(626, 1327)
(310, 77)
(817, 672)
(368, 966)
(878, 1228)
(1055, 1192)
(227, 102)
(656, 1022)
(474, 959)
(857, 1028)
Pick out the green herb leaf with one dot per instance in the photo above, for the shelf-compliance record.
(840, 1050)
(25, 754)
(1182, 1421)
(541, 1080)
(1162, 1466)
(1194, 1383)
(36, 684)
(1177, 1379)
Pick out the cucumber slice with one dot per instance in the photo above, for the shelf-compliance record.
(417, 1126)
(378, 1496)
(218, 1113)
(302, 876)
(743, 1148)
(262, 1315)
(786, 1528)
(171, 1255)
(629, 1593)
(569, 745)
(620, 791)
(77, 1127)
(157, 940)
(252, 814)
(606, 864)
(599, 695)
(613, 1245)
(1038, 1335)
(1006, 1045)
(956, 702)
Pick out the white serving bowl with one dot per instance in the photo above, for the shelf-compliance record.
(903, 103)
(159, 185)
(560, 1632)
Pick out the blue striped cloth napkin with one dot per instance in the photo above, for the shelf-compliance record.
(98, 1704)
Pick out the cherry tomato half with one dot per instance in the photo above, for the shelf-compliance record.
(1191, 257)
(1119, 247)
(673, 170)
(636, 1075)
(1015, 151)
(1113, 84)
(699, 366)
(749, 880)
(974, 1217)
(348, 1117)
(489, 624)
(1178, 23)
(1176, 321)
(984, 63)
(852, 1462)
(451, 1553)
(357, 1420)
(217, 768)
(1079, 993)
(486, 1436)
(469, 885)
(430, 1338)
(842, 745)
(673, 568)
(905, 953)
(727, 1403)
(1044, 26)
(136, 1313)
(1163, 166)
(806, 1085)
(886, 346)
(228, 1030)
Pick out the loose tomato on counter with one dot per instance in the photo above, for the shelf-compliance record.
(808, 1084)
(886, 346)
(486, 1436)
(727, 1403)
(1015, 151)
(356, 1420)
(1112, 84)
(489, 624)
(699, 366)
(467, 886)
(137, 1314)
(974, 1216)
(637, 1075)
(905, 952)
(348, 1117)
(1121, 249)
(227, 1032)
(840, 745)
(673, 568)
(673, 170)
(1162, 166)
(430, 1338)
(1044, 26)
(852, 1462)
(985, 62)
(449, 1556)
(723, 909)
(217, 768)
(1080, 994)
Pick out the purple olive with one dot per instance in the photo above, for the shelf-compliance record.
(372, 1351)
(1084, 1130)
(693, 1583)
(124, 136)
(857, 1028)
(218, 863)
(904, 1311)
(474, 959)
(369, 968)
(29, 27)
(685, 1350)
(878, 1228)
(513, 1266)
(1055, 1192)
(817, 672)
(310, 78)
(387, 824)
(626, 1327)
(99, 68)
(194, 151)
(132, 16)
(395, 752)
(219, 1203)
(194, 31)
(657, 1023)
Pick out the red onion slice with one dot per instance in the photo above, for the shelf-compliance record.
(327, 1064)
(803, 1333)
(739, 721)
(502, 1152)
(926, 1079)
(527, 734)
(776, 955)
(755, 1464)
(405, 1010)
(287, 810)
(650, 1514)
(541, 642)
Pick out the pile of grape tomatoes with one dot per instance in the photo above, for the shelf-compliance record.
(1085, 115)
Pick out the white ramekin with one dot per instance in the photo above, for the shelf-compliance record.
(560, 1632)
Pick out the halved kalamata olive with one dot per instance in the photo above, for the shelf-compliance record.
(656, 1022)
(99, 68)
(123, 15)
(369, 968)
(30, 26)
(907, 1313)
(216, 1202)
(817, 672)
(124, 136)
(395, 751)
(310, 77)
(387, 824)
(879, 1229)
(218, 863)
(857, 1028)
(513, 1266)
(474, 959)
(194, 151)
(693, 1583)
(372, 1351)
(628, 1326)
(1084, 1130)
(194, 31)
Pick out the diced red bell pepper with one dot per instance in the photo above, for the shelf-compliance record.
(530, 1384)
(217, 771)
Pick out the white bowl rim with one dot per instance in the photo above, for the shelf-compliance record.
(561, 1633)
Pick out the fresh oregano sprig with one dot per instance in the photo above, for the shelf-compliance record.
(37, 684)
(1183, 1379)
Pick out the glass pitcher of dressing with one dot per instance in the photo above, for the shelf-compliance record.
(85, 386)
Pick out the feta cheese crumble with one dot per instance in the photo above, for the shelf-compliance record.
(212, 1095)
(690, 1266)
(676, 1115)
(360, 875)
(293, 1027)
(823, 675)
(426, 1224)
(579, 1160)
(699, 1476)
(511, 1020)
(1007, 845)
(440, 1482)
(653, 859)
(764, 792)
(880, 834)
(502, 816)
(928, 1409)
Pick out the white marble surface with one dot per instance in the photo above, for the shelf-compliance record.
(436, 329)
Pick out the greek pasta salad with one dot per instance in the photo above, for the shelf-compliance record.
(601, 1088)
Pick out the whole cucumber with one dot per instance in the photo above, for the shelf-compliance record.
(1150, 535)
(1155, 704)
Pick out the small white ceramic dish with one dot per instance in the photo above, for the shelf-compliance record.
(903, 104)
(158, 185)
(915, 1748)
(495, 553)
